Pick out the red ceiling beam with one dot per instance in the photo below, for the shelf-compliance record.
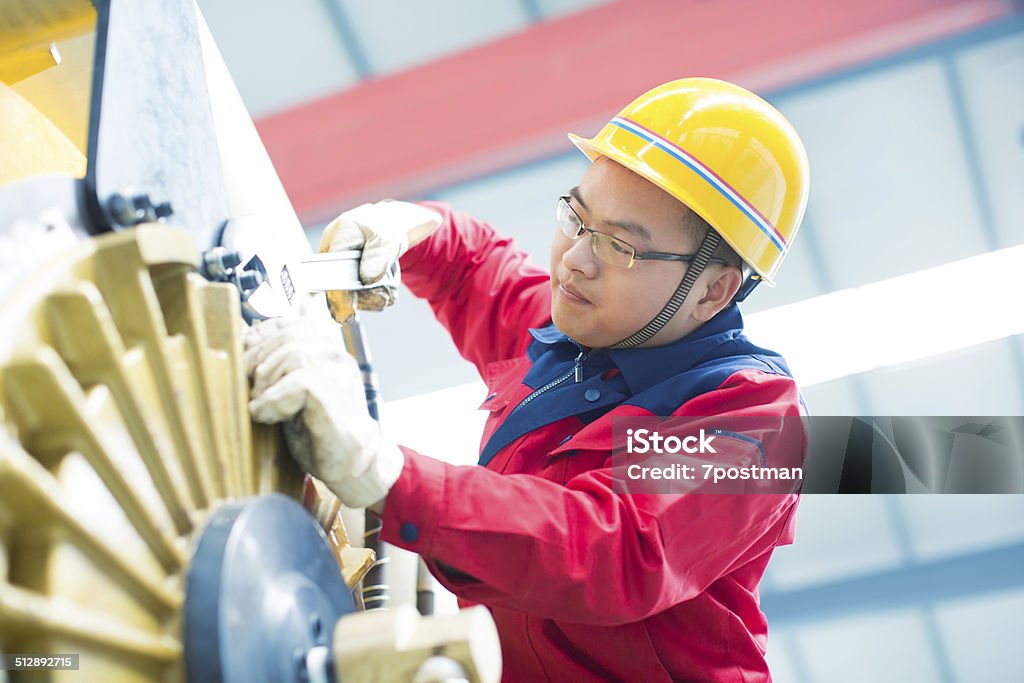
(513, 100)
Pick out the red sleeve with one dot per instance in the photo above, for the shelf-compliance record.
(583, 552)
(481, 287)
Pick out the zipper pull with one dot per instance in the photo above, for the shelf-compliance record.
(578, 369)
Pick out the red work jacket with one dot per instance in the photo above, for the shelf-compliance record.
(586, 583)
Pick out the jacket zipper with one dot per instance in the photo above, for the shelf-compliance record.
(576, 372)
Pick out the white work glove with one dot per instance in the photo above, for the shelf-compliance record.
(302, 375)
(383, 231)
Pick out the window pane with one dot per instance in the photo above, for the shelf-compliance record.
(887, 198)
(272, 68)
(990, 78)
(396, 35)
(836, 538)
(878, 647)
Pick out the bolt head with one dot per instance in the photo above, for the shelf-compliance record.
(231, 259)
(142, 202)
(121, 209)
(249, 280)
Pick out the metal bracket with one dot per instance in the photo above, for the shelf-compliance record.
(150, 124)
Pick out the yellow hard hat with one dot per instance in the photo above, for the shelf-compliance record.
(725, 153)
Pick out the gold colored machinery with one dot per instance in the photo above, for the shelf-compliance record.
(125, 420)
(146, 524)
(125, 428)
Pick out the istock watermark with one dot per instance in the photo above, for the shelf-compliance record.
(707, 455)
(712, 473)
(799, 454)
(647, 441)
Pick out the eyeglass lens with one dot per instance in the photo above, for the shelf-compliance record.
(606, 247)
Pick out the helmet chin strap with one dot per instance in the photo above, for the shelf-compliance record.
(697, 265)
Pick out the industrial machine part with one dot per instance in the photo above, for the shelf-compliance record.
(126, 439)
(375, 592)
(268, 547)
(141, 511)
(125, 424)
(400, 645)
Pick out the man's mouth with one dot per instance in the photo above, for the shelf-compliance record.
(571, 294)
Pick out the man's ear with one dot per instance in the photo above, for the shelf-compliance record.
(725, 282)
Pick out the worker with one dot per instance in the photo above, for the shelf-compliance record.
(694, 195)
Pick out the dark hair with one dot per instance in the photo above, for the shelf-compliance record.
(697, 228)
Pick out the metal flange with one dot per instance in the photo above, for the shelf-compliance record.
(262, 592)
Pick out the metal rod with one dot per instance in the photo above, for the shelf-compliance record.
(424, 588)
(376, 578)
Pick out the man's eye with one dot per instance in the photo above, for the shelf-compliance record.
(620, 247)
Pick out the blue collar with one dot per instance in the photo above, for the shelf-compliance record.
(643, 368)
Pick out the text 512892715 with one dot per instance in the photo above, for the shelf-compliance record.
(38, 662)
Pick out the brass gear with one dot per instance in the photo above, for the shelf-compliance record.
(125, 423)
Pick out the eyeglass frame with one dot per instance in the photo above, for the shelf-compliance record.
(637, 255)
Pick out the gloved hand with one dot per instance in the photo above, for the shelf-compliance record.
(302, 375)
(383, 231)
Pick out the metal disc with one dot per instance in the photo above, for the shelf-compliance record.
(262, 590)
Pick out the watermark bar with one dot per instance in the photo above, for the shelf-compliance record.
(38, 662)
(818, 454)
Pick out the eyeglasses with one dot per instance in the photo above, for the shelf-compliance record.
(611, 249)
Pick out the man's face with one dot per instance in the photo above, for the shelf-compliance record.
(597, 303)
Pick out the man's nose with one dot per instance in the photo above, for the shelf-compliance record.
(580, 257)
